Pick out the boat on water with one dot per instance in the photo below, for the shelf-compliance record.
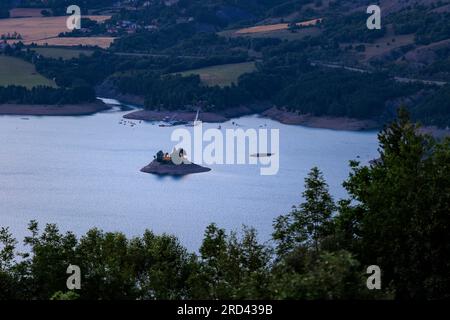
(167, 124)
(172, 123)
(262, 155)
(196, 121)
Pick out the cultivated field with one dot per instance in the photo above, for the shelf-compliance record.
(102, 42)
(25, 12)
(277, 27)
(64, 53)
(43, 30)
(222, 75)
(283, 34)
(14, 71)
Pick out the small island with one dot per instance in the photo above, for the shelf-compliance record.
(175, 164)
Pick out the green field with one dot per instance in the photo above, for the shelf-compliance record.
(279, 34)
(222, 75)
(64, 53)
(14, 71)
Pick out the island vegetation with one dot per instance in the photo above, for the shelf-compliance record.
(174, 164)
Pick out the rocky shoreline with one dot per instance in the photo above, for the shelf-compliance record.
(285, 117)
(182, 115)
(150, 115)
(158, 168)
(273, 113)
(323, 122)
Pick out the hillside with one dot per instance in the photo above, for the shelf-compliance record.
(20, 73)
(320, 46)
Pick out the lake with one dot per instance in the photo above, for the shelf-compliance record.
(83, 172)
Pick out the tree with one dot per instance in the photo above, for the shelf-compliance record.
(231, 267)
(69, 295)
(106, 265)
(7, 255)
(401, 205)
(304, 268)
(307, 224)
(44, 270)
(163, 267)
(328, 275)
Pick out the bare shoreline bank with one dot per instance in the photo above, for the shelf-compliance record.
(52, 110)
(273, 113)
(322, 122)
(282, 116)
(285, 117)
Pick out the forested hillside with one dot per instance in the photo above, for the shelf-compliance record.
(335, 66)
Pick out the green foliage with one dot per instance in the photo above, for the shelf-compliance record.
(402, 207)
(5, 6)
(165, 267)
(435, 109)
(331, 275)
(288, 80)
(174, 92)
(231, 268)
(8, 245)
(7, 255)
(51, 254)
(284, 78)
(69, 295)
(46, 95)
(349, 28)
(305, 269)
(147, 267)
(428, 28)
(309, 223)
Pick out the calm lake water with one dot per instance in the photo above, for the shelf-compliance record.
(81, 172)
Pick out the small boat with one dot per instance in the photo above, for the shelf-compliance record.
(261, 155)
(178, 123)
(167, 122)
(196, 121)
(173, 123)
